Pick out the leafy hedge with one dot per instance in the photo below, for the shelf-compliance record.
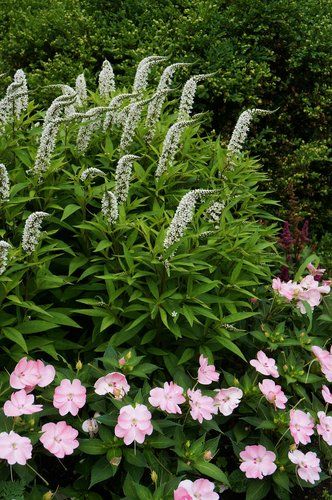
(272, 54)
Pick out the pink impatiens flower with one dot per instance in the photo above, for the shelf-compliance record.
(285, 289)
(167, 398)
(301, 426)
(29, 373)
(201, 489)
(273, 393)
(59, 439)
(201, 407)
(316, 272)
(265, 365)
(257, 462)
(311, 292)
(226, 400)
(206, 373)
(134, 423)
(114, 383)
(324, 358)
(307, 465)
(327, 394)
(324, 428)
(21, 403)
(69, 397)
(15, 448)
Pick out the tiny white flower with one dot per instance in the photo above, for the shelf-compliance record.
(109, 207)
(4, 183)
(4, 249)
(32, 231)
(122, 176)
(143, 70)
(188, 95)
(91, 173)
(106, 81)
(81, 91)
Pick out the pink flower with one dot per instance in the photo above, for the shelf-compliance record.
(287, 290)
(167, 398)
(265, 365)
(327, 395)
(307, 465)
(28, 374)
(91, 425)
(301, 426)
(311, 292)
(273, 393)
(59, 439)
(201, 489)
(226, 400)
(114, 383)
(134, 423)
(324, 428)
(206, 373)
(257, 462)
(15, 448)
(69, 397)
(324, 358)
(122, 361)
(316, 272)
(201, 407)
(20, 403)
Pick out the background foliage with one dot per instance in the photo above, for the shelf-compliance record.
(273, 54)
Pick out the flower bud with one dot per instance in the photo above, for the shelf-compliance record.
(115, 461)
(128, 356)
(154, 476)
(207, 455)
(48, 495)
(122, 361)
(79, 365)
(293, 447)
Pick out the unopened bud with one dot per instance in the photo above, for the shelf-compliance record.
(154, 476)
(282, 468)
(48, 495)
(79, 365)
(188, 443)
(293, 447)
(207, 455)
(122, 361)
(128, 355)
(115, 461)
(285, 368)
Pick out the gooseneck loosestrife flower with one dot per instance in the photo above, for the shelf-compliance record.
(109, 207)
(112, 113)
(59, 107)
(156, 105)
(4, 184)
(81, 89)
(90, 173)
(133, 117)
(122, 176)
(171, 144)
(91, 122)
(32, 231)
(106, 81)
(20, 95)
(213, 212)
(4, 250)
(188, 95)
(143, 70)
(241, 129)
(184, 215)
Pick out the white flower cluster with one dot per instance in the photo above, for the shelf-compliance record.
(106, 81)
(143, 70)
(91, 173)
(15, 100)
(109, 207)
(122, 176)
(184, 215)
(113, 110)
(213, 212)
(32, 231)
(92, 121)
(81, 90)
(133, 117)
(63, 105)
(156, 105)
(46, 147)
(4, 249)
(4, 183)
(188, 95)
(241, 129)
(170, 145)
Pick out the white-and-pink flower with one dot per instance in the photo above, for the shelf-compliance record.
(265, 365)
(69, 397)
(273, 393)
(21, 403)
(324, 358)
(167, 398)
(327, 394)
(14, 448)
(324, 428)
(206, 373)
(134, 423)
(307, 465)
(201, 407)
(201, 489)
(226, 400)
(301, 426)
(114, 383)
(257, 462)
(59, 439)
(28, 374)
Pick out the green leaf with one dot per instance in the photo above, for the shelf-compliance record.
(233, 318)
(281, 479)
(257, 489)
(101, 471)
(15, 336)
(228, 344)
(161, 442)
(211, 470)
(35, 326)
(93, 446)
(69, 209)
